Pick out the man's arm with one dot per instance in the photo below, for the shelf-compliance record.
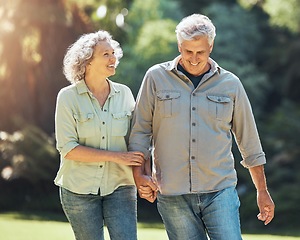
(264, 201)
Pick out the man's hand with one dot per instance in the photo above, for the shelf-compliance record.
(148, 192)
(264, 201)
(266, 206)
(146, 187)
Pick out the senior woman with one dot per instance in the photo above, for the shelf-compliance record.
(92, 122)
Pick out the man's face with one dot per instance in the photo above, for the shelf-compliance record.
(195, 55)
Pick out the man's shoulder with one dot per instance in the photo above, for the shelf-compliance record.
(163, 66)
(224, 73)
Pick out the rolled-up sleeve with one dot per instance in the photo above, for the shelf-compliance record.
(245, 131)
(65, 126)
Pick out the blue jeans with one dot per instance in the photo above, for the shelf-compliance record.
(194, 216)
(87, 214)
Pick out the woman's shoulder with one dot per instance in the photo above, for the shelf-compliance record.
(67, 92)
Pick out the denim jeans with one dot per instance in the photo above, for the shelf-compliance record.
(194, 216)
(88, 213)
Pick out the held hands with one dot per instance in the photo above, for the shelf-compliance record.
(147, 188)
(266, 206)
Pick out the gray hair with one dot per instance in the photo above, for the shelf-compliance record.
(194, 26)
(80, 53)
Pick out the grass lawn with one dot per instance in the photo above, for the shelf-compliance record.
(14, 226)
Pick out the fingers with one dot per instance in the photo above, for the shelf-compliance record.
(147, 193)
(266, 215)
(266, 207)
(134, 159)
(138, 153)
(148, 189)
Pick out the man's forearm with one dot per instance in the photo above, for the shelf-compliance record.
(258, 177)
(137, 172)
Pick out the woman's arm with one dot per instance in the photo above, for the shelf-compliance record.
(88, 154)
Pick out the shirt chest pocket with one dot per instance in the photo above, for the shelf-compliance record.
(85, 124)
(220, 107)
(168, 103)
(120, 123)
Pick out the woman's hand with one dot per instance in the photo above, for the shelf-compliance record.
(129, 158)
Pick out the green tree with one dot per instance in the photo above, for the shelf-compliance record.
(107, 15)
(236, 49)
(34, 36)
(151, 39)
(28, 165)
(283, 46)
(282, 13)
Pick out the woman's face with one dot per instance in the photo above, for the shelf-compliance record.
(103, 61)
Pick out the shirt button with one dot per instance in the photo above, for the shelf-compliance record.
(105, 110)
(103, 123)
(193, 108)
(193, 140)
(193, 157)
(194, 94)
(193, 124)
(101, 166)
(103, 137)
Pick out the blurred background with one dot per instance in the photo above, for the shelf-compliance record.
(258, 40)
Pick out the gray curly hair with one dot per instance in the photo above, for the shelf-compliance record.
(80, 53)
(194, 26)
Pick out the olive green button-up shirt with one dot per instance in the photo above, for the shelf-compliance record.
(190, 129)
(79, 119)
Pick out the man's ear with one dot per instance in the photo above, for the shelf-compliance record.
(179, 47)
(211, 47)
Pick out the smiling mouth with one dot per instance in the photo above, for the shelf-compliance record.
(194, 64)
(111, 66)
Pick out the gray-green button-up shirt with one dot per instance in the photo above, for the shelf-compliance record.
(190, 129)
(79, 119)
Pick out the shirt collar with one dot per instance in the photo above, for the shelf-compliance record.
(82, 87)
(172, 65)
(113, 87)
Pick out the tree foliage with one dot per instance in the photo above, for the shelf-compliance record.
(236, 47)
(33, 39)
(151, 39)
(257, 40)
